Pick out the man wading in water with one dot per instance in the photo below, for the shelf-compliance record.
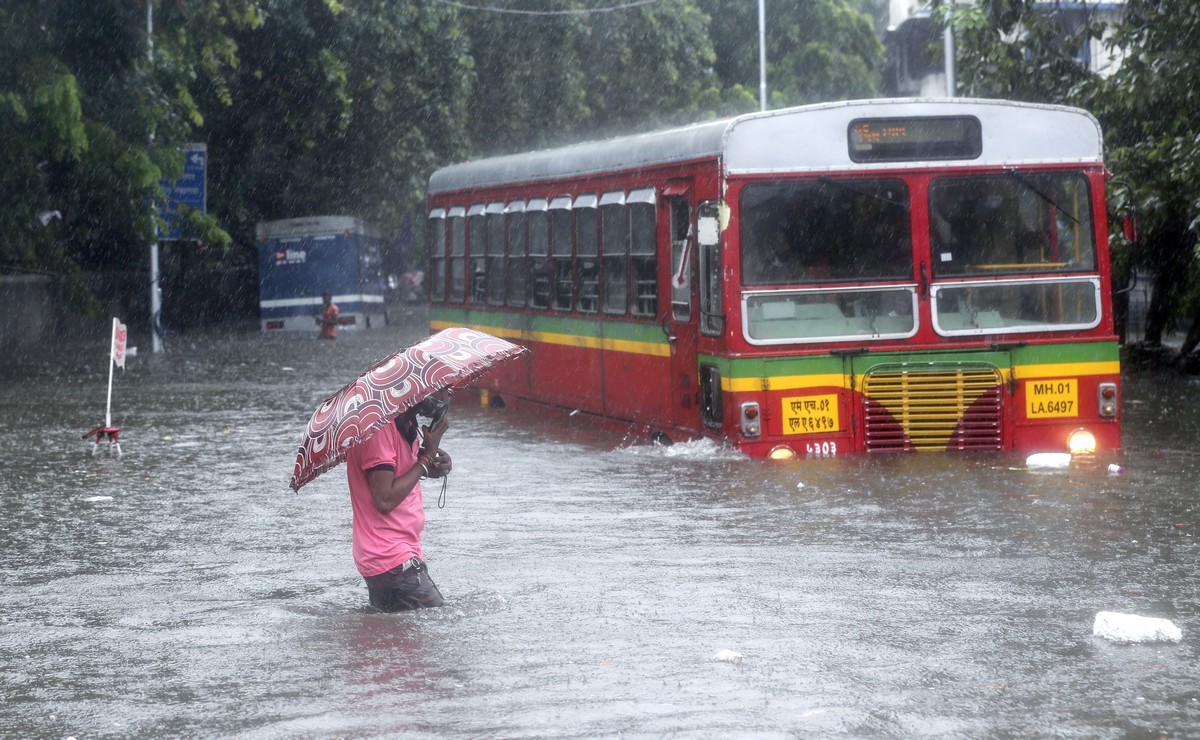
(385, 474)
(328, 320)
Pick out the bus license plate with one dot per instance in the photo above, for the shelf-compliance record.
(811, 414)
(1046, 399)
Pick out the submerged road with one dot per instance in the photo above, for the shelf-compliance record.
(184, 590)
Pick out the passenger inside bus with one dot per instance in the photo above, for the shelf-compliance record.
(1006, 227)
(834, 230)
(774, 259)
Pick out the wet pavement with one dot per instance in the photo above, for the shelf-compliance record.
(184, 590)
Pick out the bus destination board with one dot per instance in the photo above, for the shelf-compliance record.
(914, 139)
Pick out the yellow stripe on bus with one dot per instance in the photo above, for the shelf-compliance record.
(1068, 369)
(839, 380)
(784, 382)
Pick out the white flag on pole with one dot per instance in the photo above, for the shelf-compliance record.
(118, 343)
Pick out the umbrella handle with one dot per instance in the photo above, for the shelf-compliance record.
(442, 494)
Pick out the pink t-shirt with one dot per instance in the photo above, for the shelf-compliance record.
(383, 541)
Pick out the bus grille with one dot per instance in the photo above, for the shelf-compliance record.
(933, 407)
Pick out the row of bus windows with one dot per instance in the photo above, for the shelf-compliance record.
(588, 254)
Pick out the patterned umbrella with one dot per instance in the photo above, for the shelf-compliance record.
(450, 359)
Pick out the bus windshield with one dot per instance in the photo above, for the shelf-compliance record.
(1015, 223)
(825, 230)
(1023, 231)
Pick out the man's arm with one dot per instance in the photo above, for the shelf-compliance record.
(389, 490)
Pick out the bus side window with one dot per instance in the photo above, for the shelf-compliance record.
(561, 250)
(458, 255)
(517, 261)
(614, 248)
(643, 242)
(494, 269)
(476, 248)
(587, 254)
(681, 259)
(437, 254)
(539, 254)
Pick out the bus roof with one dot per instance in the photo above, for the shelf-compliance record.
(810, 138)
(312, 226)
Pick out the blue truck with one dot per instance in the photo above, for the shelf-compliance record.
(301, 258)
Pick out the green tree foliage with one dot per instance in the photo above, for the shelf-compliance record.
(338, 108)
(645, 67)
(346, 106)
(1148, 108)
(1014, 49)
(91, 125)
(41, 123)
(596, 73)
(666, 63)
(817, 50)
(528, 105)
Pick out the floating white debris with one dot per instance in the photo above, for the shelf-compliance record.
(725, 655)
(1131, 628)
(1114, 469)
(1048, 460)
(98, 498)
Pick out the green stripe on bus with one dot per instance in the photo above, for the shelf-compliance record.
(787, 373)
(621, 336)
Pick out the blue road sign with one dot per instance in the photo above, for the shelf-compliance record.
(189, 190)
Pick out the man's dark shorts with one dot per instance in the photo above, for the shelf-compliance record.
(407, 586)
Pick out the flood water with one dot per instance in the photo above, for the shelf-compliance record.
(183, 590)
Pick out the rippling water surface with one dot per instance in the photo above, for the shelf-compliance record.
(184, 590)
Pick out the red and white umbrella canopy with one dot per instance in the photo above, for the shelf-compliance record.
(450, 359)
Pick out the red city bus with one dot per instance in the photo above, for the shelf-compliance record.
(872, 276)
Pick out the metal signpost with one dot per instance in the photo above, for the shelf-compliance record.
(191, 191)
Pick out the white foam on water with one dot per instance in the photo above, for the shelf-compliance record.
(695, 449)
(1131, 628)
(91, 499)
(1048, 460)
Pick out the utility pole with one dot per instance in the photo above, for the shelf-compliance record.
(155, 289)
(948, 54)
(762, 56)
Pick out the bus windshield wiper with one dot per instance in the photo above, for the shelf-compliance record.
(1016, 175)
(827, 180)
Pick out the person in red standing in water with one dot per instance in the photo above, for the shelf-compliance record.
(329, 317)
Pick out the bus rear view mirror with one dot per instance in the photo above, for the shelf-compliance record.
(708, 228)
(1129, 225)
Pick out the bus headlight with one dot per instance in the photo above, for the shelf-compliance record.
(1106, 394)
(751, 424)
(1081, 441)
(781, 452)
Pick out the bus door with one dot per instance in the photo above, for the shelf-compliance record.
(679, 322)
